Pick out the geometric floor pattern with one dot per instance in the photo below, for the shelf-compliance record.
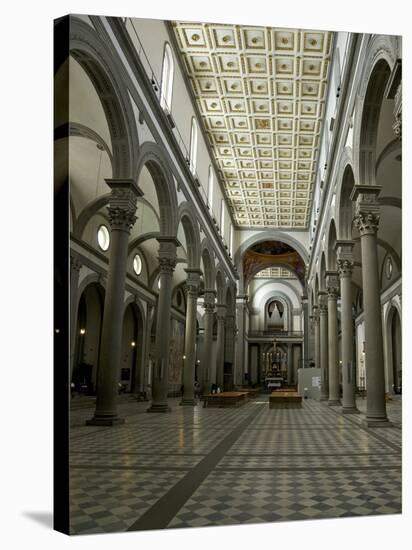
(230, 466)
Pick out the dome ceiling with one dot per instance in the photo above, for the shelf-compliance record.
(261, 95)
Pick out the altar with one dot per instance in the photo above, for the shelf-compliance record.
(273, 382)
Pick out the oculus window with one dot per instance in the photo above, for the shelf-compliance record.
(103, 238)
(137, 264)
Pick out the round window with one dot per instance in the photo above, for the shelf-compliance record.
(389, 268)
(137, 264)
(103, 237)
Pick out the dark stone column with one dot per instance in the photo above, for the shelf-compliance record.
(121, 208)
(332, 285)
(160, 379)
(323, 329)
(192, 286)
(345, 268)
(206, 362)
(367, 222)
(220, 345)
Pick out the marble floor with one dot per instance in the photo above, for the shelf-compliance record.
(197, 467)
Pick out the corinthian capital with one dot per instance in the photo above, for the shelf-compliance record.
(167, 253)
(209, 308)
(209, 301)
(167, 265)
(367, 209)
(367, 223)
(122, 203)
(193, 282)
(323, 307)
(345, 258)
(345, 268)
(221, 312)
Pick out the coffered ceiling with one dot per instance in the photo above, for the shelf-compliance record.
(261, 94)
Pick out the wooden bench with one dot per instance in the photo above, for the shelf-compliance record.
(226, 399)
(285, 400)
(251, 392)
(288, 389)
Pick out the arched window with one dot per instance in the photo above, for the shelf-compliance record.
(193, 146)
(167, 80)
(231, 240)
(210, 188)
(222, 216)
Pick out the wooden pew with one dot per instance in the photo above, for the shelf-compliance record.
(285, 400)
(226, 399)
(252, 392)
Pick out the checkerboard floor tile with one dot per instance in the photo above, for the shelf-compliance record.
(281, 465)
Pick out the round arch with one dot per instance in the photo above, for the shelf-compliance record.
(97, 61)
(220, 285)
(296, 299)
(87, 334)
(331, 246)
(322, 271)
(344, 204)
(208, 264)
(287, 311)
(393, 337)
(133, 345)
(271, 235)
(152, 156)
(190, 225)
(380, 60)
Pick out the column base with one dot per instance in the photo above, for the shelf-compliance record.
(376, 423)
(159, 408)
(188, 402)
(105, 421)
(350, 410)
(334, 403)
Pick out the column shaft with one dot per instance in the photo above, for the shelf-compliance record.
(160, 378)
(190, 338)
(374, 358)
(345, 266)
(122, 208)
(220, 344)
(323, 329)
(334, 390)
(317, 337)
(206, 360)
(367, 221)
(290, 364)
